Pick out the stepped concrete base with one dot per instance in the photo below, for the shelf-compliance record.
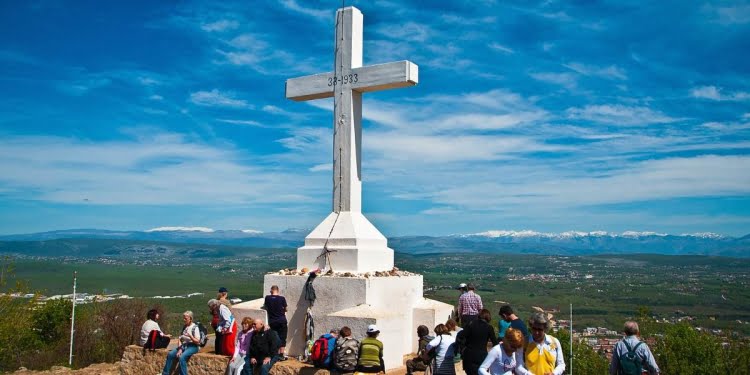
(394, 303)
(356, 245)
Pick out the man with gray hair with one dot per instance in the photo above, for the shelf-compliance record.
(630, 355)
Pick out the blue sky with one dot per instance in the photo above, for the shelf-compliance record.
(549, 116)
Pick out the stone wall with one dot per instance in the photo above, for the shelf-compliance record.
(136, 362)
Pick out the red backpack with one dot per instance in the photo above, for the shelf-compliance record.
(156, 340)
(319, 352)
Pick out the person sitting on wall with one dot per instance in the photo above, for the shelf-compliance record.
(420, 362)
(371, 352)
(189, 340)
(264, 350)
(151, 325)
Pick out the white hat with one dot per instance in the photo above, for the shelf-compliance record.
(372, 328)
(462, 285)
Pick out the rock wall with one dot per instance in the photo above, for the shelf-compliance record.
(137, 362)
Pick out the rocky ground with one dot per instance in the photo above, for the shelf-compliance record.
(97, 369)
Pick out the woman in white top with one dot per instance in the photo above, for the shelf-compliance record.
(501, 360)
(150, 325)
(444, 345)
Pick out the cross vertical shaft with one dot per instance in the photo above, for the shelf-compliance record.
(347, 121)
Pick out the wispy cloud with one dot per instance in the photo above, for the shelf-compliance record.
(566, 80)
(715, 93)
(155, 168)
(215, 98)
(241, 122)
(499, 47)
(220, 25)
(609, 72)
(730, 15)
(616, 114)
(323, 15)
(409, 31)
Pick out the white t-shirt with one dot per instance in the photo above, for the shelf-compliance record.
(498, 362)
(147, 327)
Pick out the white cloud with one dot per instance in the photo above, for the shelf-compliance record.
(394, 147)
(544, 189)
(609, 72)
(156, 97)
(499, 47)
(220, 25)
(321, 167)
(148, 168)
(180, 229)
(731, 15)
(148, 81)
(566, 80)
(726, 127)
(241, 122)
(304, 139)
(315, 13)
(466, 21)
(410, 32)
(215, 98)
(616, 114)
(715, 93)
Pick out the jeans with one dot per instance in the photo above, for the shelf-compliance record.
(264, 369)
(186, 354)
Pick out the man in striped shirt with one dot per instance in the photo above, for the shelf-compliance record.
(469, 305)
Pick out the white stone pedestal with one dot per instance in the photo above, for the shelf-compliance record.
(394, 303)
(356, 245)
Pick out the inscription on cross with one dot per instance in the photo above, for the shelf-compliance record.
(346, 84)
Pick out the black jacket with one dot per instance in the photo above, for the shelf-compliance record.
(477, 334)
(264, 344)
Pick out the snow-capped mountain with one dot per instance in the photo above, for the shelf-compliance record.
(494, 241)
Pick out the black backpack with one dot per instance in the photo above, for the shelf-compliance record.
(203, 332)
(631, 363)
(156, 340)
(346, 354)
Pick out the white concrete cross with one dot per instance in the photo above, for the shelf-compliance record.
(347, 82)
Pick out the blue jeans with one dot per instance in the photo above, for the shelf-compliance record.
(264, 369)
(186, 354)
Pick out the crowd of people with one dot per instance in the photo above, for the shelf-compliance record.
(518, 347)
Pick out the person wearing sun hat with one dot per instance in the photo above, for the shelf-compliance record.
(371, 352)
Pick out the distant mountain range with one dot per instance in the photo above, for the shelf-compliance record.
(523, 242)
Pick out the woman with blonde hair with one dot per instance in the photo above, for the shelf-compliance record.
(501, 360)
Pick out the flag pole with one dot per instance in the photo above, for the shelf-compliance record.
(571, 338)
(72, 320)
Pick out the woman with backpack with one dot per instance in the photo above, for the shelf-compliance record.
(189, 340)
(442, 349)
(346, 353)
(151, 325)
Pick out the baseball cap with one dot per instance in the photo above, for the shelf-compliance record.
(223, 290)
(372, 328)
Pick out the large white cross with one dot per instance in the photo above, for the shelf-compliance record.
(347, 83)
